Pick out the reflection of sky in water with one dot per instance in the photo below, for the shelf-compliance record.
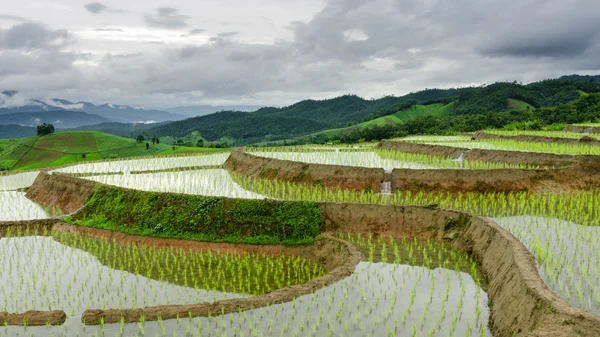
(15, 206)
(361, 159)
(371, 302)
(17, 181)
(148, 164)
(568, 256)
(213, 182)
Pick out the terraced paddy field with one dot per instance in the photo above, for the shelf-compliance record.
(508, 145)
(376, 158)
(182, 247)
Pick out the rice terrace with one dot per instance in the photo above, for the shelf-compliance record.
(314, 168)
(484, 234)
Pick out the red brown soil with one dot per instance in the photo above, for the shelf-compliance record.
(62, 191)
(527, 138)
(341, 257)
(522, 303)
(330, 176)
(43, 223)
(34, 318)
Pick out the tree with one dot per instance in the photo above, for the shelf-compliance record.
(45, 129)
(153, 140)
(140, 138)
(157, 140)
(200, 143)
(147, 146)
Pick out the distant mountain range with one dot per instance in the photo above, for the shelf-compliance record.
(201, 110)
(12, 102)
(61, 119)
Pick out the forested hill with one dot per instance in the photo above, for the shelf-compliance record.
(310, 116)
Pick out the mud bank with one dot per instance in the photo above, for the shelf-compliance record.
(38, 224)
(510, 157)
(34, 318)
(522, 303)
(62, 191)
(539, 139)
(330, 176)
(582, 129)
(320, 252)
(340, 256)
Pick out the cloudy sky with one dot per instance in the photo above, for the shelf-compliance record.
(164, 53)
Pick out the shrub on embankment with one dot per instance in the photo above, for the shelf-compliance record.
(214, 219)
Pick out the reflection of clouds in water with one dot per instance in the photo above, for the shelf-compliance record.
(567, 254)
(14, 206)
(371, 302)
(360, 159)
(211, 182)
(17, 181)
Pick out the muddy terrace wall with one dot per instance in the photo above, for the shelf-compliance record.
(62, 191)
(582, 129)
(510, 157)
(521, 302)
(539, 139)
(439, 180)
(330, 176)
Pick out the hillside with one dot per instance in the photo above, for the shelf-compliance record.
(119, 129)
(61, 119)
(16, 131)
(69, 147)
(330, 117)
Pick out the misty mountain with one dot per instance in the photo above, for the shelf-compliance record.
(120, 129)
(61, 119)
(201, 110)
(16, 131)
(14, 102)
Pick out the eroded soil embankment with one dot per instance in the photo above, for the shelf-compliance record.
(330, 176)
(539, 139)
(23, 225)
(582, 129)
(501, 156)
(521, 303)
(34, 318)
(62, 191)
(338, 256)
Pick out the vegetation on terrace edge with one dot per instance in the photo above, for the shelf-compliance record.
(213, 219)
(63, 148)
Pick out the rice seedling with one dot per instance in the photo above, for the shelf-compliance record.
(553, 134)
(567, 254)
(9, 182)
(147, 164)
(74, 273)
(379, 299)
(14, 206)
(514, 145)
(210, 182)
(378, 158)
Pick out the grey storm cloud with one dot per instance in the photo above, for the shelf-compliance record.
(30, 36)
(95, 7)
(369, 48)
(167, 18)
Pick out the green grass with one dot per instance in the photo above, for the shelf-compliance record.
(416, 111)
(63, 148)
(515, 104)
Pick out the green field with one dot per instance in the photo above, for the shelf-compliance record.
(515, 104)
(63, 148)
(399, 117)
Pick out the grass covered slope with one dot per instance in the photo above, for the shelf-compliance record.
(213, 219)
(75, 146)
